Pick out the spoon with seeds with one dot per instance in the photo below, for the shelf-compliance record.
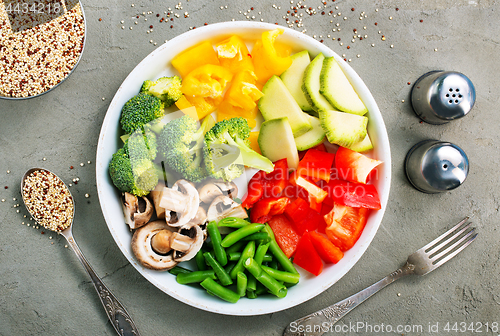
(50, 203)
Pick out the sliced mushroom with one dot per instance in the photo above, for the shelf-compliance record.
(156, 195)
(209, 191)
(199, 219)
(142, 246)
(187, 242)
(223, 207)
(180, 203)
(137, 211)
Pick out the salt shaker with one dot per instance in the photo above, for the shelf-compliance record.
(439, 97)
(434, 166)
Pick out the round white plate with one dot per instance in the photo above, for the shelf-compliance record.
(157, 64)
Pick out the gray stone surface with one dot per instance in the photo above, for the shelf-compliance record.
(45, 291)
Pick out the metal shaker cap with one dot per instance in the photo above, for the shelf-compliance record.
(434, 166)
(441, 96)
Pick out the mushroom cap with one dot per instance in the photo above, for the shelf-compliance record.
(194, 238)
(224, 206)
(187, 201)
(141, 246)
(199, 219)
(214, 188)
(137, 211)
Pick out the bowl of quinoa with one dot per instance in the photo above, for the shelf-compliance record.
(41, 43)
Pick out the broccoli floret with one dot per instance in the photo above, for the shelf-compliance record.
(139, 111)
(168, 89)
(141, 145)
(180, 144)
(227, 150)
(137, 177)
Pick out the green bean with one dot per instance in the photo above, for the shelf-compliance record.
(260, 253)
(248, 252)
(223, 277)
(194, 277)
(241, 283)
(268, 281)
(236, 256)
(220, 253)
(224, 293)
(236, 247)
(273, 264)
(278, 253)
(251, 294)
(239, 234)
(200, 261)
(233, 222)
(229, 267)
(178, 269)
(287, 277)
(258, 236)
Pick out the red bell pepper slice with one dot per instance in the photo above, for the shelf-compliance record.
(316, 165)
(285, 234)
(357, 195)
(311, 222)
(312, 189)
(320, 147)
(255, 190)
(276, 181)
(345, 225)
(353, 166)
(326, 250)
(307, 257)
(297, 210)
(268, 207)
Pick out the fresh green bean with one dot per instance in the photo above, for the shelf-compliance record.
(233, 222)
(223, 277)
(268, 281)
(248, 252)
(278, 253)
(273, 264)
(224, 293)
(233, 256)
(241, 283)
(219, 251)
(282, 275)
(236, 247)
(239, 234)
(200, 260)
(260, 253)
(194, 277)
(229, 267)
(251, 294)
(258, 236)
(178, 269)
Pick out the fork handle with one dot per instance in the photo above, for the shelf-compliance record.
(319, 322)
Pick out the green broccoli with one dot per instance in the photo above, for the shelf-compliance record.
(168, 89)
(139, 111)
(137, 177)
(180, 144)
(227, 150)
(141, 145)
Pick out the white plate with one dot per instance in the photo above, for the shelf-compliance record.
(158, 64)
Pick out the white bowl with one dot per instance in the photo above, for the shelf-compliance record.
(158, 64)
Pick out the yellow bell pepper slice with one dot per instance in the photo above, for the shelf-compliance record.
(243, 91)
(198, 107)
(254, 144)
(266, 58)
(206, 81)
(195, 57)
(228, 111)
(233, 54)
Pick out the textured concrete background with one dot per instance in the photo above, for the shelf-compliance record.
(45, 291)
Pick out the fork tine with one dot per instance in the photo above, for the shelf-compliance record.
(438, 247)
(453, 246)
(454, 253)
(444, 235)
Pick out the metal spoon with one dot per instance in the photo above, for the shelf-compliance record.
(117, 314)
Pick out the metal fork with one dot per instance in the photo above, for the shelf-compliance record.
(423, 261)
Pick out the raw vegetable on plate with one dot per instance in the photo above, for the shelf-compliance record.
(237, 187)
